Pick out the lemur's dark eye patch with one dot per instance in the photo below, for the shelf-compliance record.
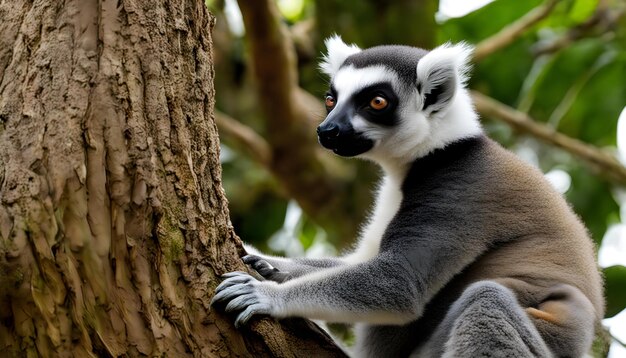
(377, 103)
(378, 96)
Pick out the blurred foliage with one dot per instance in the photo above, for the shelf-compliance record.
(614, 277)
(577, 89)
(370, 23)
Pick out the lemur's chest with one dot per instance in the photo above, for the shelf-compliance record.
(387, 205)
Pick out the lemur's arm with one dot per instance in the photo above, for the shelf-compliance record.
(280, 269)
(349, 293)
(392, 288)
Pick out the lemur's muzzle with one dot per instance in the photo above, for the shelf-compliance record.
(328, 135)
(337, 134)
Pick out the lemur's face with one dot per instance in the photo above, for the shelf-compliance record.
(389, 101)
(360, 103)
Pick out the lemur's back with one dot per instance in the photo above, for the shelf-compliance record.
(548, 242)
(476, 188)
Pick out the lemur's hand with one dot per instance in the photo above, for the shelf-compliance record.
(265, 269)
(242, 293)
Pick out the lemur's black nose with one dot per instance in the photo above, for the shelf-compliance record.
(328, 134)
(329, 130)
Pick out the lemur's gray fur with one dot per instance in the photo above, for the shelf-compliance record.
(469, 251)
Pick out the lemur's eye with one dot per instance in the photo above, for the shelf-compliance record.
(330, 101)
(379, 103)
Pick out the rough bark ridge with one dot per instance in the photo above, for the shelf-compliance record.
(113, 222)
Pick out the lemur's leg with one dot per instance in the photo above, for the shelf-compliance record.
(486, 321)
(280, 269)
(565, 319)
(561, 311)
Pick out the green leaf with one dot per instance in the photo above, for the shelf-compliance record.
(582, 10)
(615, 289)
(486, 21)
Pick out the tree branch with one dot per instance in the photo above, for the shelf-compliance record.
(513, 31)
(604, 163)
(289, 120)
(245, 136)
(599, 24)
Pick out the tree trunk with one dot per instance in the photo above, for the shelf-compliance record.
(114, 228)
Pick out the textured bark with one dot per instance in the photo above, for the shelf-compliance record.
(113, 221)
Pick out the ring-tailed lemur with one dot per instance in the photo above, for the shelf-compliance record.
(469, 251)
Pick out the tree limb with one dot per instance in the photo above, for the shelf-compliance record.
(604, 163)
(253, 143)
(599, 24)
(289, 120)
(513, 31)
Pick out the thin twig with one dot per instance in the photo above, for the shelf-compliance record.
(605, 163)
(513, 31)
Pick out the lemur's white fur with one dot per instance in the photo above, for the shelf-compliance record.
(337, 52)
(445, 63)
(387, 204)
(350, 80)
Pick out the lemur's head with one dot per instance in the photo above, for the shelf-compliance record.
(395, 102)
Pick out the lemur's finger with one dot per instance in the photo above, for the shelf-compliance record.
(241, 302)
(250, 259)
(245, 316)
(233, 291)
(233, 280)
(235, 274)
(264, 267)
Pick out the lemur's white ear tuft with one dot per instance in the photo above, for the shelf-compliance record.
(442, 72)
(337, 52)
